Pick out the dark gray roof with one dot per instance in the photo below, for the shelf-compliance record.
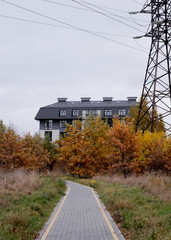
(90, 104)
(52, 111)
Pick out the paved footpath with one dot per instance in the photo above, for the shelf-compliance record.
(80, 215)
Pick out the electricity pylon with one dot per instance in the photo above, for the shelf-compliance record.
(156, 93)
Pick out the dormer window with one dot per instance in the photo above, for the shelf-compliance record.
(62, 113)
(108, 113)
(122, 112)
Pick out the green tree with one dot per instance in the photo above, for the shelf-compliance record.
(53, 152)
(133, 113)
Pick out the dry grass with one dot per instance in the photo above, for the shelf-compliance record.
(54, 173)
(159, 186)
(26, 201)
(18, 181)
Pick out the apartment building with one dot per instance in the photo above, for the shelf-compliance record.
(53, 118)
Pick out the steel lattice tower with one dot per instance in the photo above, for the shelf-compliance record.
(156, 92)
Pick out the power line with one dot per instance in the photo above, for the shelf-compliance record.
(32, 21)
(137, 2)
(109, 13)
(97, 11)
(66, 5)
(58, 26)
(140, 44)
(85, 9)
(70, 25)
(103, 8)
(134, 20)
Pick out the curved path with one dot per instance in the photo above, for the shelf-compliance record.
(80, 216)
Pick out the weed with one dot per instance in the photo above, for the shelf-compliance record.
(159, 186)
(37, 207)
(24, 213)
(139, 214)
(18, 219)
(93, 184)
(60, 182)
(19, 181)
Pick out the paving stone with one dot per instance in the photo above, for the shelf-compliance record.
(80, 218)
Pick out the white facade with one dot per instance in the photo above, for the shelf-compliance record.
(55, 134)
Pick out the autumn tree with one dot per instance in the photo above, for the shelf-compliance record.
(11, 150)
(2, 132)
(2, 128)
(133, 113)
(168, 156)
(95, 134)
(18, 152)
(71, 149)
(36, 157)
(124, 147)
(53, 153)
(82, 149)
(156, 152)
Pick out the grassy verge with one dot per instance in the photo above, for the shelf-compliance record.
(26, 202)
(139, 214)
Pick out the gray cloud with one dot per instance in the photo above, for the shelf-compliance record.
(40, 63)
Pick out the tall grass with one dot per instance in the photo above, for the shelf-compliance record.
(26, 202)
(19, 181)
(159, 186)
(139, 214)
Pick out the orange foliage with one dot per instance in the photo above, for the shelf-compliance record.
(35, 155)
(82, 150)
(17, 152)
(124, 147)
(93, 147)
(89, 148)
(11, 150)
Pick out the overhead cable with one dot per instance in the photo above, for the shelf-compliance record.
(97, 11)
(137, 2)
(66, 5)
(70, 25)
(58, 26)
(88, 10)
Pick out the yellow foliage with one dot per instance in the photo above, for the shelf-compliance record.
(93, 147)
(156, 148)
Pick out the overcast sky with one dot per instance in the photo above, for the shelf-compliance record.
(40, 63)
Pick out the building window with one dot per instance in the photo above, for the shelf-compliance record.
(108, 113)
(48, 124)
(87, 113)
(75, 113)
(121, 112)
(62, 113)
(62, 124)
(93, 113)
(48, 134)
